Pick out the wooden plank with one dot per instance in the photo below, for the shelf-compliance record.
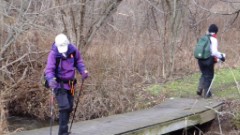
(169, 116)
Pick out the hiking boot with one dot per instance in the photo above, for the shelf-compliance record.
(199, 92)
(208, 95)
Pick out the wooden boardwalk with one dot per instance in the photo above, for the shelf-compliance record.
(171, 115)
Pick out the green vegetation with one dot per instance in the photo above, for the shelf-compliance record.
(224, 85)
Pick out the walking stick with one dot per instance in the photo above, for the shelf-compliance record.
(51, 110)
(79, 94)
(210, 87)
(206, 94)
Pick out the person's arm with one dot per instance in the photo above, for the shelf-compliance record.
(80, 64)
(214, 48)
(51, 66)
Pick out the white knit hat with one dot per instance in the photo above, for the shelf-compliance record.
(62, 42)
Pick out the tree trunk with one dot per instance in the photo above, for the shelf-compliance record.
(109, 10)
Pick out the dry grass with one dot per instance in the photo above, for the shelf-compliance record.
(119, 75)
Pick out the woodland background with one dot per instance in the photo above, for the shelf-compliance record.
(127, 45)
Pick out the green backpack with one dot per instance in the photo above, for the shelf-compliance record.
(202, 48)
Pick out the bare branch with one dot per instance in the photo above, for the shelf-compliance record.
(227, 1)
(19, 80)
(109, 11)
(11, 63)
(154, 5)
(81, 26)
(205, 9)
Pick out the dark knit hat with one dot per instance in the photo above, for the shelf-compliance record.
(213, 28)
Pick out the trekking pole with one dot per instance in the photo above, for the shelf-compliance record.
(210, 86)
(51, 110)
(79, 94)
(211, 82)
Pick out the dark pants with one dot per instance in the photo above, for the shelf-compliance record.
(207, 70)
(65, 104)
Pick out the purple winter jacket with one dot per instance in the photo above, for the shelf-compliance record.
(66, 68)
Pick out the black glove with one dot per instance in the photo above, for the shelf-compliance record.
(223, 57)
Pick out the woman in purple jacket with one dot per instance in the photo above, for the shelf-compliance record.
(63, 58)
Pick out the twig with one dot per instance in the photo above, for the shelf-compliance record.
(11, 63)
(19, 80)
(219, 124)
(198, 5)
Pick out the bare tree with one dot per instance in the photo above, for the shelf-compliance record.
(138, 42)
(75, 23)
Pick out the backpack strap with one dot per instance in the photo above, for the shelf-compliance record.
(209, 35)
(57, 64)
(74, 56)
(72, 82)
(59, 59)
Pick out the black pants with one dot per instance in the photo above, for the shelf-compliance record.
(65, 104)
(207, 70)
